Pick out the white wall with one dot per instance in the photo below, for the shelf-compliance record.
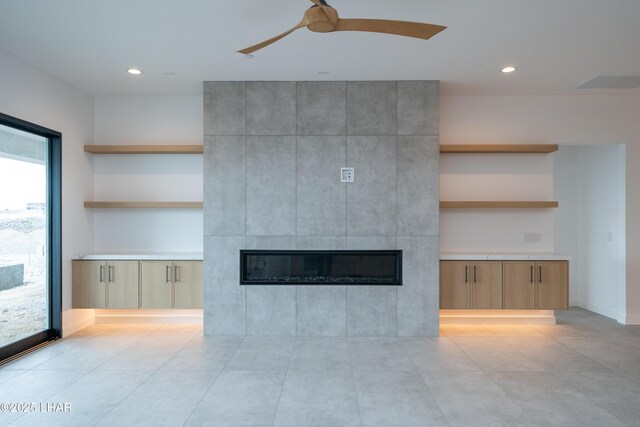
(565, 174)
(148, 120)
(577, 119)
(496, 177)
(31, 94)
(591, 224)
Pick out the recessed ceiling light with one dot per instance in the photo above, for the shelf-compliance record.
(509, 69)
(323, 72)
(134, 71)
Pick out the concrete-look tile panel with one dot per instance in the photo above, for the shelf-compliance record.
(271, 185)
(225, 108)
(371, 108)
(320, 354)
(418, 107)
(224, 298)
(271, 108)
(271, 242)
(549, 401)
(371, 311)
(262, 354)
(318, 399)
(418, 186)
(399, 409)
(321, 243)
(322, 311)
(371, 198)
(240, 398)
(379, 243)
(379, 354)
(472, 399)
(322, 108)
(321, 197)
(224, 185)
(418, 297)
(271, 310)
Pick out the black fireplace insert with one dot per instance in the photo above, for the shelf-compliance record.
(278, 267)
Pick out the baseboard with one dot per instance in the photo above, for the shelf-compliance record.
(152, 317)
(497, 317)
(612, 314)
(76, 320)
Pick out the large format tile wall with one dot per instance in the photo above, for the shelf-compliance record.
(272, 159)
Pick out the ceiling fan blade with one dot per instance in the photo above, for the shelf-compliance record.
(318, 3)
(400, 28)
(266, 43)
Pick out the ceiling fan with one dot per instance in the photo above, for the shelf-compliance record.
(323, 18)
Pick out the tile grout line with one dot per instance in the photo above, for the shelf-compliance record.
(295, 206)
(246, 193)
(353, 377)
(396, 208)
(213, 383)
(284, 381)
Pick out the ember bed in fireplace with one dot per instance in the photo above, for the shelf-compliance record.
(276, 267)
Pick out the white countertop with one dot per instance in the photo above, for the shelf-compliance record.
(178, 256)
(540, 256)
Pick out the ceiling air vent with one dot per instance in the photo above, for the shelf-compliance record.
(624, 81)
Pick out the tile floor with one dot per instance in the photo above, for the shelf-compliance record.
(582, 372)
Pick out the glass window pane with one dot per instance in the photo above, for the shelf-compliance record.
(23, 235)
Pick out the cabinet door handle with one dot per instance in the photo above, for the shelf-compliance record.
(110, 273)
(102, 274)
(175, 273)
(531, 276)
(166, 274)
(466, 274)
(539, 274)
(475, 278)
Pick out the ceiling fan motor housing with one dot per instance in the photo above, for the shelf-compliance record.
(318, 20)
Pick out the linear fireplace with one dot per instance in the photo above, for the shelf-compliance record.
(277, 267)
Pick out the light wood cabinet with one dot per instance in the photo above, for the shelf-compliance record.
(187, 284)
(454, 284)
(156, 284)
(171, 284)
(470, 285)
(514, 285)
(541, 285)
(105, 284)
(553, 285)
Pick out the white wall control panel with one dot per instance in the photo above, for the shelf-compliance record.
(346, 174)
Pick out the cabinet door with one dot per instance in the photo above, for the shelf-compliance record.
(519, 285)
(122, 279)
(454, 285)
(486, 284)
(89, 284)
(155, 284)
(552, 285)
(187, 284)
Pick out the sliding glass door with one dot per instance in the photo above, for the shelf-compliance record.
(30, 291)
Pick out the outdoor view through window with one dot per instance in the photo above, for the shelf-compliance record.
(23, 235)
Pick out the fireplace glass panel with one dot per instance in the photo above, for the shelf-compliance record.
(321, 267)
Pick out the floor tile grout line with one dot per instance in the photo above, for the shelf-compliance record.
(80, 377)
(151, 374)
(353, 377)
(593, 402)
(214, 381)
(284, 381)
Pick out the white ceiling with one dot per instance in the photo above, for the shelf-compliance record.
(556, 44)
